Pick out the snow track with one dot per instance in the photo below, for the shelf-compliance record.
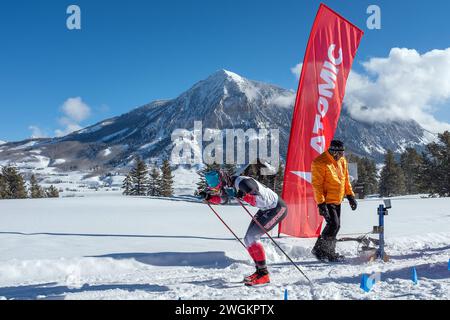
(112, 247)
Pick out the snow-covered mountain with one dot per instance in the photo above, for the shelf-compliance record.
(224, 100)
(2, 142)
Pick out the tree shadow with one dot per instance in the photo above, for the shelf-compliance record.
(207, 260)
(217, 283)
(316, 263)
(51, 291)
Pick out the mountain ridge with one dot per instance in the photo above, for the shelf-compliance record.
(224, 100)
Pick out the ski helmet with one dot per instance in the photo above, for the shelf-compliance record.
(217, 179)
(212, 179)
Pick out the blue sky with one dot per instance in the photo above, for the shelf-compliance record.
(129, 53)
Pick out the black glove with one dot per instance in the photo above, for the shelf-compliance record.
(323, 211)
(240, 194)
(204, 195)
(353, 203)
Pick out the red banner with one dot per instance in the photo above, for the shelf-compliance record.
(328, 59)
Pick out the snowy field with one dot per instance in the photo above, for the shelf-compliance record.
(106, 246)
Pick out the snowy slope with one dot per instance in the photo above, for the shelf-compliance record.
(106, 246)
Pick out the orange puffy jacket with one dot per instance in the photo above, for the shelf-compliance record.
(330, 179)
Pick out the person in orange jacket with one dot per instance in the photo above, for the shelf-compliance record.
(330, 181)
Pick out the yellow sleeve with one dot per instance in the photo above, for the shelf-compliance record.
(348, 185)
(318, 180)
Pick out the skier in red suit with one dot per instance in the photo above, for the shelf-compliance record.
(272, 209)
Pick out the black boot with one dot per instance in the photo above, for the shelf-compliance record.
(333, 256)
(319, 250)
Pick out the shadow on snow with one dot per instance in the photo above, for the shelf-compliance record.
(430, 271)
(421, 253)
(212, 259)
(52, 291)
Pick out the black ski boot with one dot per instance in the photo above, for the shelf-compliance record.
(333, 256)
(320, 250)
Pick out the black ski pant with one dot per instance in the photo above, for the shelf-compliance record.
(333, 222)
(268, 219)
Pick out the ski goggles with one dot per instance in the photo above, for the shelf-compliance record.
(213, 180)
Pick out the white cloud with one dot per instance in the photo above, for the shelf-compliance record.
(75, 111)
(405, 85)
(297, 70)
(286, 101)
(72, 127)
(69, 125)
(36, 132)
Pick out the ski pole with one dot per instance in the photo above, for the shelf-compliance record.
(237, 238)
(263, 229)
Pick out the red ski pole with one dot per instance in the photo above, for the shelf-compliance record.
(263, 229)
(237, 238)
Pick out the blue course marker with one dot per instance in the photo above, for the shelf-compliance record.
(366, 283)
(285, 294)
(414, 275)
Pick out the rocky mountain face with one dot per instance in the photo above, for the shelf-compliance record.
(224, 100)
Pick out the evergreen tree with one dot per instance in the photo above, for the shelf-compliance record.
(35, 189)
(52, 192)
(253, 171)
(8, 175)
(370, 179)
(166, 180)
(201, 184)
(392, 180)
(367, 182)
(3, 187)
(436, 168)
(278, 180)
(266, 179)
(367, 176)
(230, 169)
(155, 182)
(139, 177)
(15, 184)
(127, 185)
(428, 175)
(411, 163)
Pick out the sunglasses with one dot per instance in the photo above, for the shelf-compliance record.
(337, 153)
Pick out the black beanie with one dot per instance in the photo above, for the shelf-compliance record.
(336, 145)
